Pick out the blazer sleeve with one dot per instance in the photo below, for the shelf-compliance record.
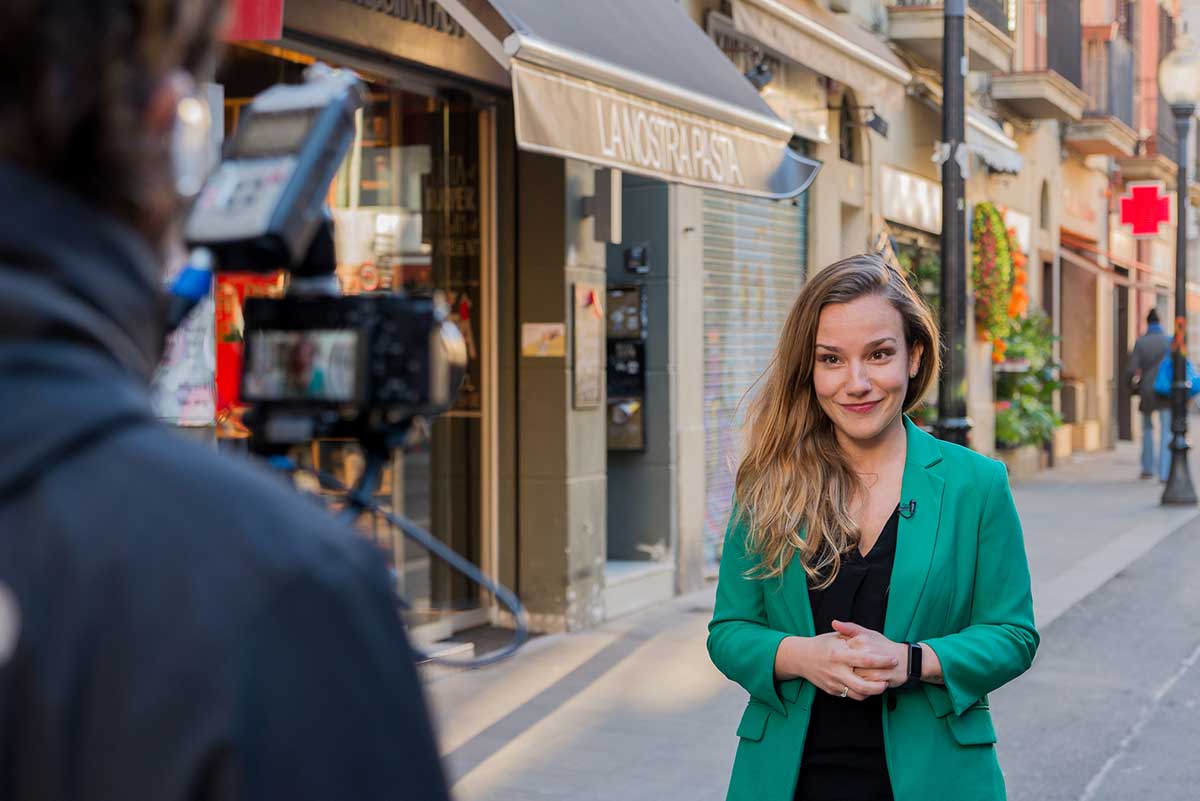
(740, 643)
(1000, 641)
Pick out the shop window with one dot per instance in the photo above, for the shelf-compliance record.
(407, 217)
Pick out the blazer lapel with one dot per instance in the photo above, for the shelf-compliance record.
(915, 539)
(917, 533)
(794, 586)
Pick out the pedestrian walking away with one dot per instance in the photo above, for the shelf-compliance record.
(173, 624)
(1148, 352)
(873, 586)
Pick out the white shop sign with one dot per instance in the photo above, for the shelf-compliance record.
(911, 200)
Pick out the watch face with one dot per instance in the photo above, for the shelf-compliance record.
(914, 661)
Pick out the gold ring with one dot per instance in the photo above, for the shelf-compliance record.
(845, 691)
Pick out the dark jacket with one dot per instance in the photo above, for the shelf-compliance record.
(174, 624)
(1148, 352)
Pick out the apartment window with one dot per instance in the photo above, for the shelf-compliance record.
(1166, 32)
(848, 133)
(1044, 207)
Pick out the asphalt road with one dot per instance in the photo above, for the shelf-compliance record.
(1111, 708)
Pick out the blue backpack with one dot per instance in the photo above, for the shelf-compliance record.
(1166, 376)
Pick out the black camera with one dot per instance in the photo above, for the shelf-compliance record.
(317, 364)
(358, 367)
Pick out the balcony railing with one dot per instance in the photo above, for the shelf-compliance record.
(1054, 31)
(1108, 78)
(994, 11)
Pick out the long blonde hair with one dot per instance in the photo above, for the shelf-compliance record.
(793, 475)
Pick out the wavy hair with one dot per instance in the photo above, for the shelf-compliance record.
(793, 476)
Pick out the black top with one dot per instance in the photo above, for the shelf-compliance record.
(843, 752)
(188, 625)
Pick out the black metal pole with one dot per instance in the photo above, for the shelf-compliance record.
(1179, 491)
(953, 423)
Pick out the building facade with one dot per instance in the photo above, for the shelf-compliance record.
(594, 213)
(621, 200)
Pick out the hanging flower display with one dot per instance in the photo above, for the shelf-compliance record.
(992, 274)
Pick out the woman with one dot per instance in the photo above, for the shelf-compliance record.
(874, 586)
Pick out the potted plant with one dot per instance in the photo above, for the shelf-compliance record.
(1025, 383)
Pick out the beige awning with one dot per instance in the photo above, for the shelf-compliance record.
(635, 85)
(820, 40)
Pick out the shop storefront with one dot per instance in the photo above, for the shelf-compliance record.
(599, 85)
(414, 208)
(505, 147)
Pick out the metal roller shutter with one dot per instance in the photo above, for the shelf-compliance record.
(755, 261)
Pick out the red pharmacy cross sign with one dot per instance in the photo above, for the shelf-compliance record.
(1145, 208)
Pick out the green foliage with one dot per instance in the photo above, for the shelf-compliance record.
(923, 268)
(1025, 384)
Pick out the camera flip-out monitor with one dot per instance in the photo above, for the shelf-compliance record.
(358, 366)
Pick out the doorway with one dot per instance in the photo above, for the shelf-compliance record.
(1123, 394)
(413, 213)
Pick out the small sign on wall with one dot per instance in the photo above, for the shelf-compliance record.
(589, 324)
(543, 340)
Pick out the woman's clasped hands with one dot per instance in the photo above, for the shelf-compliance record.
(851, 661)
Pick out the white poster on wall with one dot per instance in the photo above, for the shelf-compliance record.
(911, 200)
(184, 388)
(1023, 225)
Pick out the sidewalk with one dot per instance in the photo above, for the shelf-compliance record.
(634, 709)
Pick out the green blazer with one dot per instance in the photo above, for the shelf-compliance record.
(960, 584)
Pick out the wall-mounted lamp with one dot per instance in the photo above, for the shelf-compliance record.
(605, 206)
(877, 124)
(760, 75)
(873, 121)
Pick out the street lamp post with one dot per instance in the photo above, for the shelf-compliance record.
(1179, 82)
(953, 424)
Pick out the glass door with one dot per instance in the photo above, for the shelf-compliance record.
(408, 216)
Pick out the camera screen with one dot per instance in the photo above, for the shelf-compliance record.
(270, 134)
(301, 366)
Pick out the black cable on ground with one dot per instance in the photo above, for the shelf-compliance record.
(360, 499)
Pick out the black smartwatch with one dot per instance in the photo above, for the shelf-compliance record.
(914, 667)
